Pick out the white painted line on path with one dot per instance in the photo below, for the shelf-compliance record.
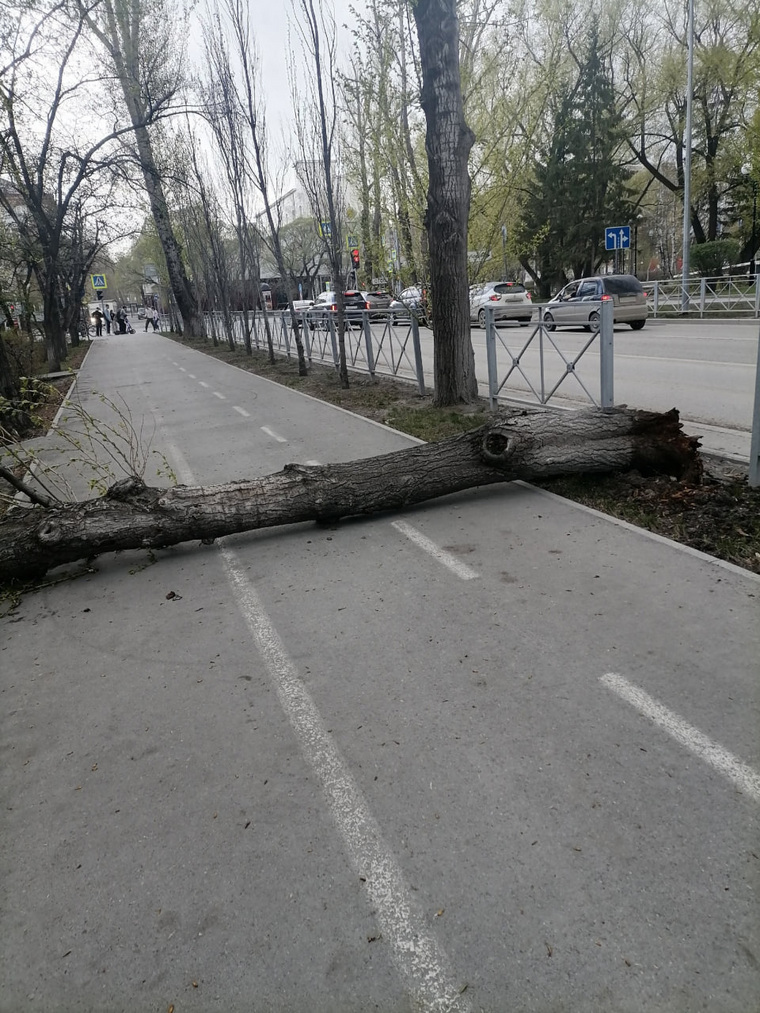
(462, 570)
(202, 383)
(242, 411)
(273, 434)
(743, 776)
(191, 375)
(222, 397)
(416, 953)
(182, 369)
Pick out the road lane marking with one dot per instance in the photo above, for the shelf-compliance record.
(743, 776)
(201, 382)
(242, 411)
(222, 397)
(462, 570)
(416, 953)
(192, 376)
(273, 434)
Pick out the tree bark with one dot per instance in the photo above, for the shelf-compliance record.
(448, 141)
(526, 446)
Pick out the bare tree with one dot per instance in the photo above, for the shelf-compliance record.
(448, 141)
(232, 107)
(56, 191)
(142, 39)
(316, 120)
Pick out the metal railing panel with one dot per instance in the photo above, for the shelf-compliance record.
(722, 296)
(545, 355)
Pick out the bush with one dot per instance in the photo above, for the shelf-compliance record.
(709, 258)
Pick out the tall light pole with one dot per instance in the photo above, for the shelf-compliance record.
(752, 264)
(687, 162)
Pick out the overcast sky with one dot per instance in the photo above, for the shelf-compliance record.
(269, 19)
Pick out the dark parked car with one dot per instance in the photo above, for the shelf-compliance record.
(378, 301)
(326, 306)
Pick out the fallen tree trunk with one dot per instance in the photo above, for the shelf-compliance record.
(526, 446)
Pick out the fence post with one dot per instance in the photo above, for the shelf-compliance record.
(306, 331)
(418, 355)
(656, 298)
(757, 296)
(334, 340)
(606, 364)
(493, 379)
(754, 446)
(368, 342)
(702, 296)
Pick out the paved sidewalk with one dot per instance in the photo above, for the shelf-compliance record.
(498, 752)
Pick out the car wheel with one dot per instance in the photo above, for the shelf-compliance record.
(482, 319)
(549, 322)
(593, 321)
(636, 325)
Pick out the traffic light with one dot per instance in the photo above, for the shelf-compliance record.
(355, 257)
(100, 293)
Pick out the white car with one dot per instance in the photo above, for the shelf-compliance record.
(508, 299)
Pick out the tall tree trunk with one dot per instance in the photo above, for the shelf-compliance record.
(132, 515)
(184, 295)
(448, 141)
(128, 37)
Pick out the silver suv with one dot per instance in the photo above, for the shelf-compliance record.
(575, 305)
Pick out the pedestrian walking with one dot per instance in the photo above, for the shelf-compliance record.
(154, 319)
(107, 318)
(148, 320)
(98, 323)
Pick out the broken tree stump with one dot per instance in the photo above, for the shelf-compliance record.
(522, 446)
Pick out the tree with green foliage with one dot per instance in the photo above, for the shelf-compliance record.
(579, 183)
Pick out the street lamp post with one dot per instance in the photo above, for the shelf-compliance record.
(752, 265)
(687, 161)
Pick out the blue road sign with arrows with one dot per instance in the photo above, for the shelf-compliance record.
(617, 237)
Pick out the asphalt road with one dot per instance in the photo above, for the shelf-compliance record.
(705, 368)
(500, 753)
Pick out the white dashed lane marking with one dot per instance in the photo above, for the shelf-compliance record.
(242, 411)
(414, 947)
(201, 382)
(462, 570)
(222, 397)
(743, 776)
(273, 434)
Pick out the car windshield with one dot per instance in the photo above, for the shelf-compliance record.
(509, 286)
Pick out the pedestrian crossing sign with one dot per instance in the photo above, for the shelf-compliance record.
(98, 281)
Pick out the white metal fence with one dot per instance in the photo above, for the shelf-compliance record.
(532, 363)
(731, 296)
(376, 342)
